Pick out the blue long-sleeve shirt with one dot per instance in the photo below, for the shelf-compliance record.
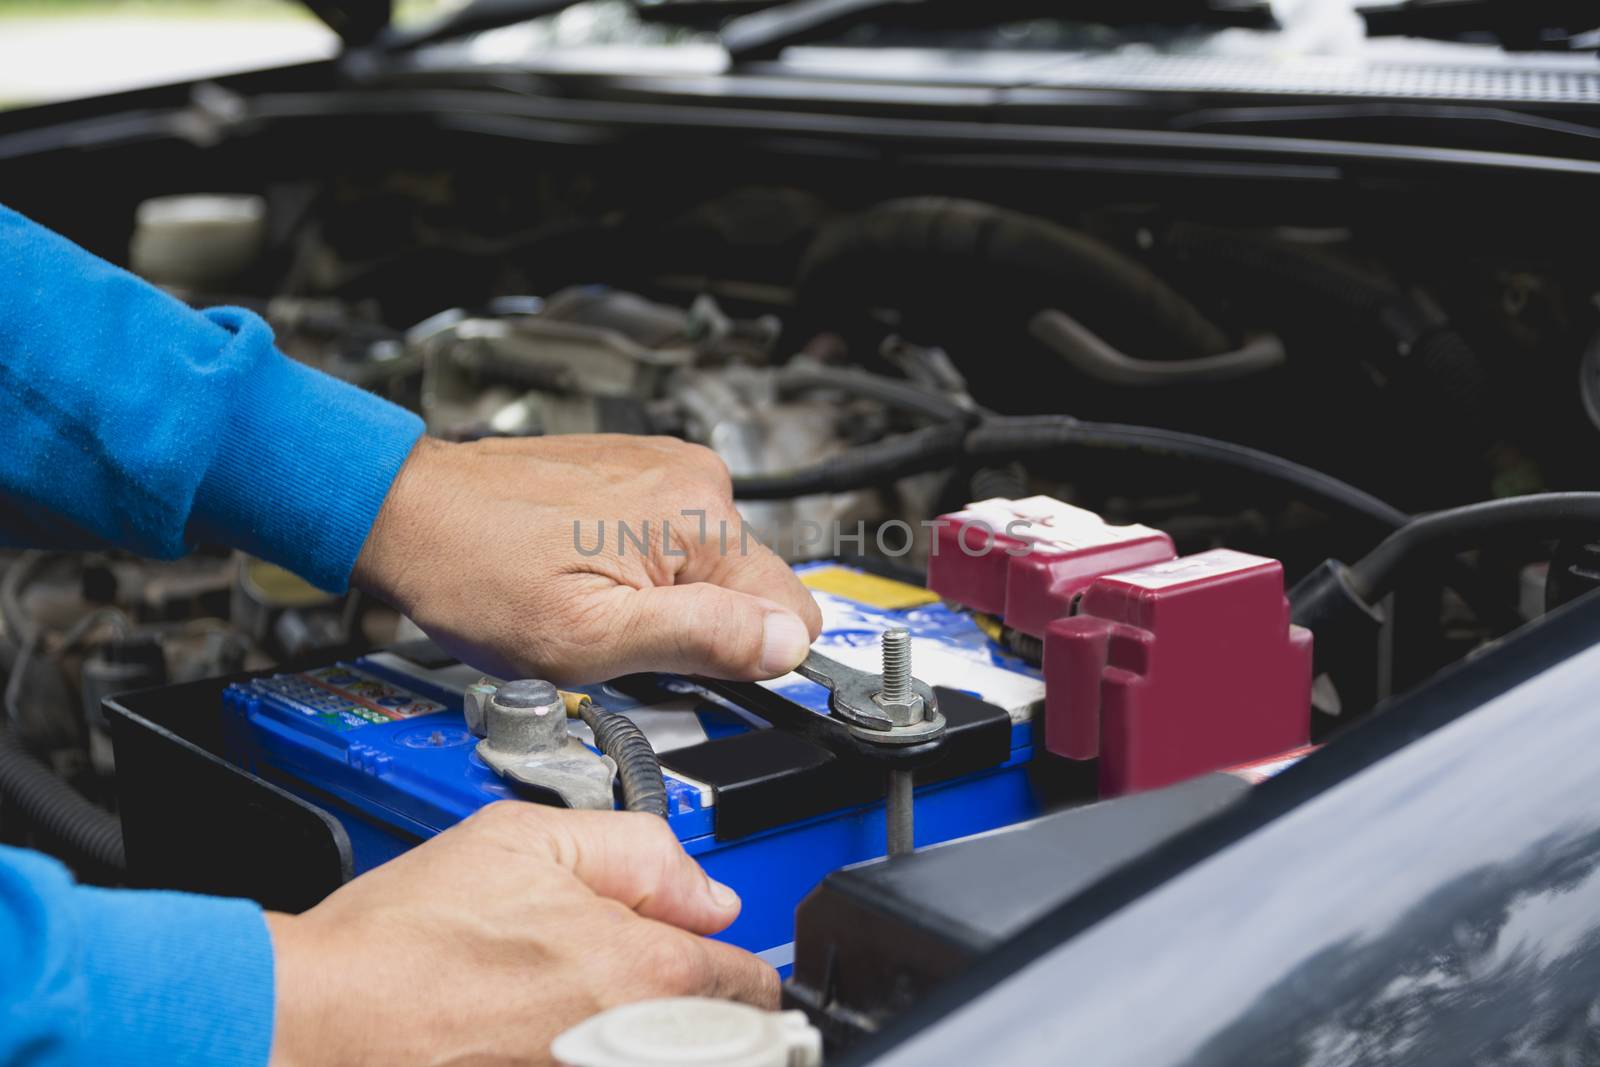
(128, 419)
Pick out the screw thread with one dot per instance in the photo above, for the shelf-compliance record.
(897, 665)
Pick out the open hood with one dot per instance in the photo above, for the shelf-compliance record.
(357, 22)
(1520, 25)
(363, 23)
(1516, 24)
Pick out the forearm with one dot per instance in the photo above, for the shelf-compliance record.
(132, 420)
(117, 976)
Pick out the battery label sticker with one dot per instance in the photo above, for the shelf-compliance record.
(868, 589)
(344, 698)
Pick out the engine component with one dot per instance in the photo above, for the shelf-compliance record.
(197, 241)
(1339, 603)
(690, 1030)
(69, 820)
(933, 447)
(1095, 359)
(927, 257)
(585, 361)
(873, 939)
(526, 740)
(1028, 560)
(597, 360)
(1574, 571)
(1176, 669)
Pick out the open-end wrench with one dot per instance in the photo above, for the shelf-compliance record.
(890, 709)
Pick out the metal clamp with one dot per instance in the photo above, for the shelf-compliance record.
(524, 726)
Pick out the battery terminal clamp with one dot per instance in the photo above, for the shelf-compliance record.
(524, 729)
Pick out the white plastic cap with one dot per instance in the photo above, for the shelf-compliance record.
(193, 240)
(690, 1030)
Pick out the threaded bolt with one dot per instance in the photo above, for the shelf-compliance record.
(897, 666)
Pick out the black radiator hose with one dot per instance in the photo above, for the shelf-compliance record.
(62, 815)
(638, 769)
(943, 258)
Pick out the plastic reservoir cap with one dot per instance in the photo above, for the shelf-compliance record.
(680, 1031)
(193, 240)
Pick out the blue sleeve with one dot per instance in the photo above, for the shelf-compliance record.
(96, 976)
(127, 418)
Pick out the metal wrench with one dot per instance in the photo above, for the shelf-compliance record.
(888, 709)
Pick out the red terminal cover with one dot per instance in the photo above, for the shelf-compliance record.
(1178, 669)
(971, 547)
(1026, 560)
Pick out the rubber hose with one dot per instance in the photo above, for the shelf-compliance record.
(1282, 273)
(1053, 434)
(901, 395)
(866, 465)
(1008, 481)
(61, 813)
(1012, 438)
(939, 253)
(1542, 515)
(643, 788)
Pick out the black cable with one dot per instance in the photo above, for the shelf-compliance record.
(1000, 439)
(996, 440)
(1018, 437)
(638, 769)
(1445, 532)
(60, 813)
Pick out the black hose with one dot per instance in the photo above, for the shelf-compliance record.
(1006, 481)
(888, 460)
(936, 253)
(643, 788)
(60, 813)
(1016, 437)
(998, 439)
(1297, 285)
(896, 393)
(1445, 532)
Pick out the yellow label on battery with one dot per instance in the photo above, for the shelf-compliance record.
(868, 589)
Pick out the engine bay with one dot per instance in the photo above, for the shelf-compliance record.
(1130, 459)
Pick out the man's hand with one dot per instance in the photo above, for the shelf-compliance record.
(490, 547)
(484, 943)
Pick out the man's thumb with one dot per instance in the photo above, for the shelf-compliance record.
(701, 628)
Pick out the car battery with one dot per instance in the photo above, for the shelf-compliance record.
(756, 791)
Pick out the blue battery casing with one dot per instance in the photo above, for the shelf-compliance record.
(381, 743)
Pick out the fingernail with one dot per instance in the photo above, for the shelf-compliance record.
(784, 643)
(725, 898)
